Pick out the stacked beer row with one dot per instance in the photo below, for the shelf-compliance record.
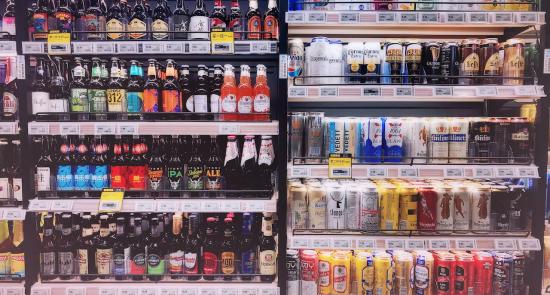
(433, 140)
(399, 272)
(398, 206)
(467, 5)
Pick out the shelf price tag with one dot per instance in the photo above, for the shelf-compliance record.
(39, 128)
(525, 90)
(145, 206)
(7, 128)
(395, 244)
(295, 17)
(409, 17)
(33, 47)
(152, 48)
(69, 129)
(222, 42)
(128, 129)
(429, 17)
(174, 47)
(211, 206)
(316, 17)
(270, 291)
(503, 17)
(188, 291)
(403, 91)
(168, 291)
(376, 172)
(255, 206)
(505, 172)
(77, 291)
(260, 47)
(190, 206)
(341, 243)
(349, 17)
(21, 291)
(208, 291)
(128, 291)
(529, 245)
(107, 291)
(371, 91)
(59, 43)
(300, 243)
(328, 92)
(528, 17)
(229, 129)
(479, 17)
(104, 48)
(297, 92)
(339, 166)
(486, 91)
(528, 172)
(443, 91)
(105, 129)
(40, 205)
(111, 201)
(300, 172)
(366, 244)
(227, 291)
(454, 172)
(199, 47)
(148, 291)
(13, 214)
(127, 48)
(231, 206)
(386, 17)
(439, 244)
(453, 17)
(416, 244)
(168, 206)
(320, 243)
(505, 245)
(483, 172)
(83, 48)
(408, 172)
(463, 244)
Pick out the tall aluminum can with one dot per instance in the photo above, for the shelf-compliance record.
(369, 212)
(383, 273)
(431, 56)
(335, 63)
(394, 58)
(317, 61)
(450, 63)
(502, 273)
(481, 136)
(483, 273)
(514, 61)
(520, 140)
(293, 272)
(296, 64)
(336, 206)
(393, 139)
(408, 202)
(444, 273)
(427, 208)
(481, 209)
(389, 207)
(518, 273)
(372, 133)
(296, 132)
(404, 271)
(353, 206)
(372, 63)
(298, 206)
(335, 135)
(458, 140)
(341, 272)
(317, 206)
(351, 127)
(415, 139)
(464, 274)
(364, 273)
(439, 140)
(469, 64)
(462, 200)
(314, 136)
(445, 209)
(500, 143)
(423, 273)
(325, 275)
(413, 63)
(309, 271)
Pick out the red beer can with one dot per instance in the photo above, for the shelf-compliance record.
(464, 274)
(426, 208)
(444, 273)
(483, 271)
(309, 272)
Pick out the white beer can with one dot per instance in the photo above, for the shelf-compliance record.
(353, 204)
(481, 209)
(317, 206)
(445, 209)
(369, 212)
(298, 206)
(458, 140)
(336, 206)
(462, 200)
(415, 140)
(439, 140)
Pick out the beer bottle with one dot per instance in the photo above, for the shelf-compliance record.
(137, 168)
(121, 250)
(63, 17)
(48, 255)
(161, 21)
(79, 22)
(10, 102)
(229, 253)
(134, 94)
(210, 254)
(103, 6)
(99, 170)
(4, 177)
(116, 90)
(267, 247)
(218, 19)
(79, 93)
(245, 93)
(229, 94)
(215, 91)
(181, 21)
(116, 22)
(59, 93)
(199, 23)
(151, 89)
(254, 21)
(262, 100)
(265, 163)
(249, 165)
(200, 97)
(137, 26)
(118, 166)
(97, 95)
(40, 95)
(14, 170)
(248, 249)
(213, 167)
(137, 252)
(177, 248)
(235, 24)
(126, 11)
(86, 251)
(94, 20)
(271, 21)
(185, 84)
(195, 167)
(156, 251)
(193, 246)
(44, 167)
(66, 251)
(231, 168)
(171, 96)
(39, 21)
(82, 165)
(52, 20)
(174, 168)
(65, 179)
(8, 19)
(155, 167)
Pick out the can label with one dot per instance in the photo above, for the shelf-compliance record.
(228, 262)
(461, 210)
(324, 273)
(393, 140)
(210, 263)
(65, 180)
(369, 211)
(248, 262)
(336, 208)
(339, 284)
(445, 210)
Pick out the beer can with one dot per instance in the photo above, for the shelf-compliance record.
(518, 274)
(372, 132)
(293, 272)
(408, 200)
(462, 207)
(469, 64)
(296, 52)
(450, 63)
(314, 136)
(439, 140)
(389, 207)
(317, 206)
(481, 136)
(431, 61)
(404, 270)
(481, 209)
(413, 63)
(502, 273)
(499, 148)
(364, 273)
(325, 272)
(490, 62)
(423, 273)
(464, 274)
(483, 273)
(341, 273)
(336, 206)
(415, 139)
(393, 139)
(353, 206)
(445, 209)
(444, 273)
(355, 54)
(352, 6)
(317, 56)
(514, 62)
(335, 135)
(520, 138)
(369, 211)
(350, 136)
(458, 140)
(296, 131)
(383, 273)
(335, 63)
(427, 208)
(309, 263)
(394, 58)
(298, 206)
(371, 63)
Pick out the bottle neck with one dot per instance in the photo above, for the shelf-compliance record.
(245, 78)
(253, 5)
(272, 4)
(200, 5)
(235, 4)
(267, 227)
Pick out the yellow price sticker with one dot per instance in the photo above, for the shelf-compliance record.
(111, 200)
(222, 42)
(339, 166)
(59, 38)
(59, 43)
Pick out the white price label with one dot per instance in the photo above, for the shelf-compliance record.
(443, 91)
(7, 128)
(78, 291)
(13, 214)
(104, 48)
(454, 172)
(260, 47)
(529, 172)
(376, 172)
(528, 17)
(40, 205)
(386, 17)
(108, 291)
(317, 17)
(231, 206)
(349, 17)
(128, 129)
(503, 17)
(168, 206)
(525, 90)
(249, 291)
(21, 67)
(21, 291)
(416, 244)
(465, 244)
(255, 206)
(283, 68)
(403, 91)
(297, 92)
(33, 47)
(148, 291)
(479, 17)
(505, 245)
(188, 291)
(408, 172)
(341, 243)
(300, 243)
(371, 91)
(145, 206)
(199, 47)
(152, 48)
(295, 17)
(483, 172)
(439, 244)
(485, 91)
(83, 48)
(320, 243)
(174, 48)
(230, 291)
(39, 128)
(456, 17)
(128, 291)
(409, 17)
(190, 206)
(505, 172)
(127, 48)
(300, 172)
(529, 244)
(105, 129)
(211, 206)
(395, 244)
(366, 244)
(270, 291)
(208, 291)
(168, 291)
(328, 92)
(429, 17)
(69, 129)
(110, 206)
(229, 129)
(34, 291)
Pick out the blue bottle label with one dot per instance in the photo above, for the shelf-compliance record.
(65, 180)
(99, 177)
(134, 101)
(248, 262)
(82, 177)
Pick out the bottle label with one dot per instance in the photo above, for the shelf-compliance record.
(176, 262)
(10, 102)
(5, 263)
(171, 101)
(137, 264)
(103, 259)
(234, 26)
(249, 152)
(43, 178)
(194, 178)
(40, 102)
(155, 264)
(136, 177)
(66, 263)
(248, 262)
(228, 262)
(58, 106)
(135, 102)
(217, 24)
(175, 176)
(340, 278)
(231, 152)
(17, 189)
(470, 66)
(181, 23)
(79, 100)
(47, 261)
(210, 263)
(254, 25)
(244, 105)
(159, 26)
(268, 262)
(99, 177)
(190, 263)
(492, 65)
(119, 264)
(213, 181)
(271, 27)
(114, 25)
(118, 176)
(116, 100)
(17, 264)
(64, 21)
(150, 100)
(98, 100)
(200, 103)
(83, 261)
(229, 104)
(266, 153)
(261, 104)
(199, 24)
(4, 188)
(214, 103)
(82, 177)
(94, 23)
(190, 104)
(65, 180)
(40, 25)
(138, 29)
(155, 177)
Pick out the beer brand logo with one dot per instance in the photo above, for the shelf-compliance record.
(139, 259)
(484, 129)
(324, 273)
(153, 260)
(340, 277)
(190, 261)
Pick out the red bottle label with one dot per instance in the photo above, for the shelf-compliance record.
(118, 176)
(254, 25)
(210, 263)
(171, 101)
(136, 177)
(138, 264)
(271, 27)
(235, 25)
